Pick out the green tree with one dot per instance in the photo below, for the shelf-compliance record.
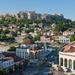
(36, 38)
(10, 70)
(2, 72)
(16, 68)
(6, 31)
(12, 48)
(72, 38)
(2, 36)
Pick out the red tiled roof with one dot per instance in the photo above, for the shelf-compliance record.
(69, 48)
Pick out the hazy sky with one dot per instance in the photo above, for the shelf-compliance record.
(66, 7)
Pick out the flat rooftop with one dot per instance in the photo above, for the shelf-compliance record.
(6, 59)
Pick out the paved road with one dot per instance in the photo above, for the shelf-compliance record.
(58, 73)
(41, 71)
(30, 71)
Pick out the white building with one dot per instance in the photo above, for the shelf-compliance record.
(63, 39)
(22, 51)
(67, 57)
(6, 62)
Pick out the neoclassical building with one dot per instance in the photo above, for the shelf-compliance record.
(67, 57)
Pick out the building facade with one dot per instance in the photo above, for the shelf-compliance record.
(67, 57)
(6, 62)
(22, 52)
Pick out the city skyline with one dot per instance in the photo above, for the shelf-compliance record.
(37, 37)
(60, 6)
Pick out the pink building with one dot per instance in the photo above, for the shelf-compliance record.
(69, 32)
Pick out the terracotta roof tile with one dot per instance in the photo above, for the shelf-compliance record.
(69, 48)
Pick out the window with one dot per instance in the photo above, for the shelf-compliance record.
(74, 64)
(65, 62)
(70, 63)
(61, 61)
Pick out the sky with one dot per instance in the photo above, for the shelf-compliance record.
(65, 7)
